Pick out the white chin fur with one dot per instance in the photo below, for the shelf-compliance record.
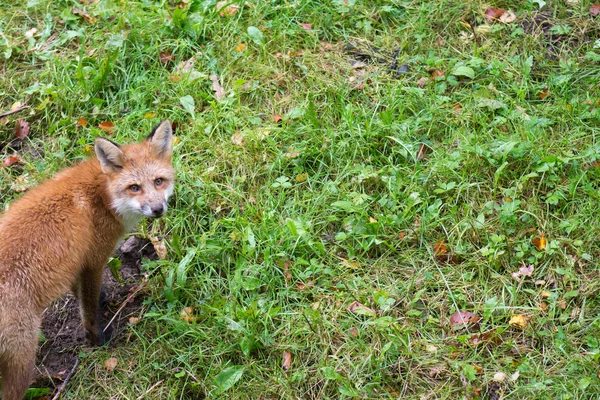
(130, 211)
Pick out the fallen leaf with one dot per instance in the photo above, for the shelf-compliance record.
(372, 220)
(287, 360)
(350, 264)
(107, 126)
(84, 14)
(111, 363)
(358, 64)
(523, 271)
(159, 247)
(493, 13)
(134, 320)
(360, 309)
(277, 118)
(463, 318)
(422, 151)
(402, 235)
(301, 177)
(216, 87)
(165, 56)
(431, 348)
(187, 314)
(595, 9)
(308, 27)
(22, 129)
(457, 108)
(354, 331)
(507, 17)
(226, 10)
(292, 154)
(240, 47)
(11, 160)
(325, 46)
(82, 122)
(422, 81)
(519, 320)
(562, 304)
(478, 369)
(539, 242)
(437, 73)
(237, 138)
(544, 306)
(500, 377)
(440, 248)
(545, 294)
(544, 93)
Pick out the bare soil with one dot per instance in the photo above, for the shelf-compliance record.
(64, 335)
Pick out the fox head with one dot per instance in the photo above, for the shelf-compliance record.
(139, 176)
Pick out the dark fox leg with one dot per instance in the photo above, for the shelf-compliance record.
(91, 297)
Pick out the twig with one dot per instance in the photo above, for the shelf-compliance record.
(150, 389)
(63, 385)
(127, 300)
(11, 112)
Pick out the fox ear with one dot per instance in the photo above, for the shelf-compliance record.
(161, 138)
(109, 154)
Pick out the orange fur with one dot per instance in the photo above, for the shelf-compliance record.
(59, 236)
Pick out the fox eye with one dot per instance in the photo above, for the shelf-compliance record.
(135, 188)
(158, 181)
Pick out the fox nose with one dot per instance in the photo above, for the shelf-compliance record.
(157, 211)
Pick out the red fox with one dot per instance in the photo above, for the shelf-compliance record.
(60, 235)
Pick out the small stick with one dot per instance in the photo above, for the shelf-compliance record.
(63, 385)
(127, 300)
(11, 112)
(150, 389)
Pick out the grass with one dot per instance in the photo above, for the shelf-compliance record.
(415, 202)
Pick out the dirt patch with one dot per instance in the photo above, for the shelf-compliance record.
(64, 335)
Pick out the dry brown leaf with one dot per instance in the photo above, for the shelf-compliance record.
(216, 87)
(519, 320)
(277, 118)
(292, 154)
(493, 13)
(111, 363)
(422, 151)
(237, 138)
(544, 93)
(11, 160)
(539, 242)
(134, 320)
(523, 271)
(350, 264)
(107, 126)
(457, 108)
(422, 82)
(84, 14)
(545, 294)
(308, 27)
(165, 56)
(240, 47)
(354, 332)
(372, 220)
(287, 360)
(595, 9)
(82, 122)
(226, 10)
(159, 247)
(440, 248)
(463, 318)
(22, 129)
(507, 17)
(437, 73)
(187, 314)
(360, 309)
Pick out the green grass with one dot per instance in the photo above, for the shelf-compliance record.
(502, 165)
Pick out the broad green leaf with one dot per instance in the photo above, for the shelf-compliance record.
(188, 104)
(228, 377)
(255, 34)
(464, 71)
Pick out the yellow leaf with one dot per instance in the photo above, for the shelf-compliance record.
(240, 47)
(539, 242)
(187, 314)
(301, 177)
(149, 115)
(519, 320)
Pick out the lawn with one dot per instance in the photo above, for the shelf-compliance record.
(375, 199)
